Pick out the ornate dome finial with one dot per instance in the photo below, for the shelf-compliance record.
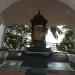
(38, 11)
(38, 19)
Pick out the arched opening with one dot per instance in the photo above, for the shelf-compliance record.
(56, 13)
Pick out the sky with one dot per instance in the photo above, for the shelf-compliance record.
(51, 41)
(50, 37)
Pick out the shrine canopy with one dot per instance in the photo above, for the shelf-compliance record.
(39, 20)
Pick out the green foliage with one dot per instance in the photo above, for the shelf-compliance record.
(55, 29)
(15, 37)
(67, 43)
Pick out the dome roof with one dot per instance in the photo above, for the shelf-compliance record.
(38, 20)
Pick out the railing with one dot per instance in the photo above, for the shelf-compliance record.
(48, 45)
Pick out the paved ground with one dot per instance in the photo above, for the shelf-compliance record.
(36, 61)
(58, 64)
(57, 57)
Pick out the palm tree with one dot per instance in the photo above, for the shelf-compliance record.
(67, 43)
(55, 30)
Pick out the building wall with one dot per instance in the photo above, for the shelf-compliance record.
(54, 11)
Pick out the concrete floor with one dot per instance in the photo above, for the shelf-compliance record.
(58, 63)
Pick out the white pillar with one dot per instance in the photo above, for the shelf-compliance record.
(2, 29)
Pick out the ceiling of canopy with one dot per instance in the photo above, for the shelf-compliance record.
(57, 12)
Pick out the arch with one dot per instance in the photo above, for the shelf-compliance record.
(4, 4)
(7, 3)
(55, 11)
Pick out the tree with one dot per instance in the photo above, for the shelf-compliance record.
(67, 43)
(54, 31)
(16, 36)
